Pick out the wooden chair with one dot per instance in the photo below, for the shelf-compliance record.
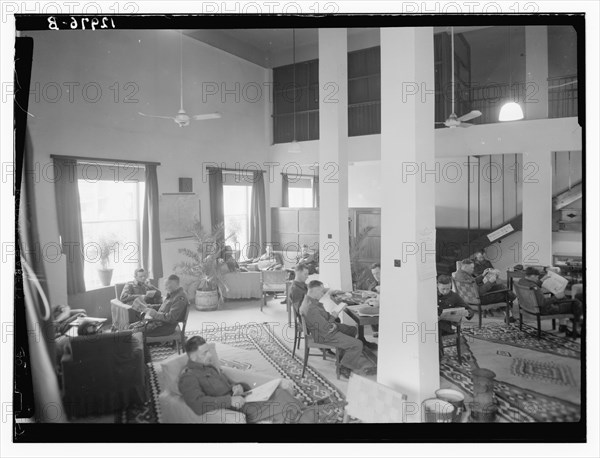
(272, 282)
(457, 324)
(177, 336)
(469, 292)
(309, 343)
(298, 333)
(528, 305)
(372, 402)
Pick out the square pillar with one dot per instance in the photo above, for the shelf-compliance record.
(536, 248)
(536, 71)
(408, 358)
(334, 257)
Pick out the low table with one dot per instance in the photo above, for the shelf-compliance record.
(122, 314)
(361, 321)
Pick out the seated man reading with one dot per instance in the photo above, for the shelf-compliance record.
(448, 299)
(310, 259)
(324, 329)
(552, 305)
(481, 263)
(205, 388)
(491, 290)
(299, 288)
(267, 261)
(141, 288)
(228, 260)
(163, 321)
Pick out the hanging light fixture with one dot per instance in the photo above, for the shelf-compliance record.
(294, 146)
(510, 111)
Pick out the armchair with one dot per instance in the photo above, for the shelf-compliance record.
(528, 305)
(103, 373)
(470, 294)
(273, 282)
(173, 407)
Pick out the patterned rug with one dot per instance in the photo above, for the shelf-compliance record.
(516, 403)
(260, 338)
(527, 338)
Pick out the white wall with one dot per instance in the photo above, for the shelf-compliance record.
(111, 128)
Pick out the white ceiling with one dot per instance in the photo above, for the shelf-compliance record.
(273, 47)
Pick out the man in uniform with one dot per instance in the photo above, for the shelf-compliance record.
(163, 321)
(205, 388)
(140, 287)
(323, 328)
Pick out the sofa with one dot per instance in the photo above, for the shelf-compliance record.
(243, 285)
(174, 409)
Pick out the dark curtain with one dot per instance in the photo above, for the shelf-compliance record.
(151, 251)
(285, 186)
(38, 309)
(258, 217)
(215, 186)
(68, 211)
(316, 191)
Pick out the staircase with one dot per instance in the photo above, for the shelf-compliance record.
(454, 244)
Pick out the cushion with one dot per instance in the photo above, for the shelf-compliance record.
(171, 369)
(469, 292)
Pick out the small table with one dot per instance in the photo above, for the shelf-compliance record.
(360, 320)
(122, 314)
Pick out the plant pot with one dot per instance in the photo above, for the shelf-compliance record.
(105, 276)
(207, 300)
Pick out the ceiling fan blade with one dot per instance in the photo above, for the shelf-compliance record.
(465, 124)
(472, 115)
(203, 117)
(155, 116)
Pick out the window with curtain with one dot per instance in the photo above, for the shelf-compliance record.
(237, 195)
(300, 192)
(111, 211)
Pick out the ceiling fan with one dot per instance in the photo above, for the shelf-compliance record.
(182, 118)
(453, 120)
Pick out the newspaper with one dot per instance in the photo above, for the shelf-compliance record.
(262, 393)
(555, 284)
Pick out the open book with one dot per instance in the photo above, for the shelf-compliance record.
(263, 392)
(555, 283)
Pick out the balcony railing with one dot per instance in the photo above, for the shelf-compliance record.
(562, 96)
(562, 99)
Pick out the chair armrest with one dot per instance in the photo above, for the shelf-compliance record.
(496, 291)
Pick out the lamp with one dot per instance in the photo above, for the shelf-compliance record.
(510, 111)
(294, 146)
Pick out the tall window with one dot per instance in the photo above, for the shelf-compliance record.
(364, 92)
(237, 193)
(305, 92)
(300, 192)
(111, 215)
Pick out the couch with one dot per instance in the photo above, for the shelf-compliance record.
(243, 285)
(174, 409)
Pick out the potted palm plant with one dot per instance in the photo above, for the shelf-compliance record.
(106, 247)
(360, 272)
(203, 273)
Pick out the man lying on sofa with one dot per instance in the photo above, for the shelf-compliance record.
(205, 388)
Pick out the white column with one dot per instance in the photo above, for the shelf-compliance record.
(536, 72)
(334, 259)
(536, 248)
(408, 347)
